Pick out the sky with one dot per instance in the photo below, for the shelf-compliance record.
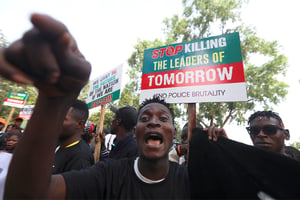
(106, 32)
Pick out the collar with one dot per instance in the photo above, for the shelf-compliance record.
(141, 177)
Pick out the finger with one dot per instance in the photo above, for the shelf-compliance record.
(10, 72)
(215, 133)
(210, 132)
(50, 28)
(40, 58)
(63, 45)
(70, 58)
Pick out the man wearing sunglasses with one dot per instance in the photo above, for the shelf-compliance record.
(267, 131)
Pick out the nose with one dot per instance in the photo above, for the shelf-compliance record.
(261, 133)
(154, 121)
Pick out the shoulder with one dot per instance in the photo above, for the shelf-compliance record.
(292, 152)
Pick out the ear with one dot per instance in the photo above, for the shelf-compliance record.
(174, 132)
(80, 123)
(286, 133)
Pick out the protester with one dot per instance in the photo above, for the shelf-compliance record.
(18, 123)
(5, 159)
(2, 134)
(122, 126)
(292, 152)
(12, 140)
(10, 127)
(267, 131)
(104, 153)
(179, 152)
(2, 124)
(73, 153)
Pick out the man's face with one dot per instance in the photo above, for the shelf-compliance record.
(269, 142)
(70, 125)
(18, 123)
(114, 125)
(154, 131)
(12, 141)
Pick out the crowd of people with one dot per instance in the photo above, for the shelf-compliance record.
(141, 161)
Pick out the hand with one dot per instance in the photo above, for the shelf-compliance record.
(48, 57)
(214, 133)
(184, 148)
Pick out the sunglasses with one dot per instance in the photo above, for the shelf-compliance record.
(267, 129)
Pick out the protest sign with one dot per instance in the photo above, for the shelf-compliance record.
(26, 112)
(105, 88)
(15, 99)
(205, 70)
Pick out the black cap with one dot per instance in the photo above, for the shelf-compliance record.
(127, 115)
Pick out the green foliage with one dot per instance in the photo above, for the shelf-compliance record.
(95, 118)
(84, 92)
(296, 145)
(203, 18)
(3, 41)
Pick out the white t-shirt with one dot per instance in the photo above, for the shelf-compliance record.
(109, 140)
(5, 159)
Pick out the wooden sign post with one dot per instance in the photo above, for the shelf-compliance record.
(99, 135)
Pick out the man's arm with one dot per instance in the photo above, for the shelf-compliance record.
(47, 56)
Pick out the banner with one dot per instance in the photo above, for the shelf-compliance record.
(205, 70)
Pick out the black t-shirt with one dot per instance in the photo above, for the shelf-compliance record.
(124, 147)
(116, 179)
(75, 157)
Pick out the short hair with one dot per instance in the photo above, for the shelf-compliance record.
(14, 132)
(156, 99)
(198, 125)
(80, 110)
(127, 115)
(267, 114)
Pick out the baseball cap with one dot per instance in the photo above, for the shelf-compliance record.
(127, 115)
(19, 118)
(3, 121)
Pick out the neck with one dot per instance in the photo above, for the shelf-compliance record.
(68, 141)
(122, 133)
(153, 169)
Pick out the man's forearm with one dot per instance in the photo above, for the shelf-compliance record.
(30, 171)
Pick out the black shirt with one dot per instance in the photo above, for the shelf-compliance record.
(116, 179)
(124, 147)
(75, 157)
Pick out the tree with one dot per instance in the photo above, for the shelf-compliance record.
(203, 18)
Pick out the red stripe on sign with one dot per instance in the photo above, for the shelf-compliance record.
(210, 75)
(16, 101)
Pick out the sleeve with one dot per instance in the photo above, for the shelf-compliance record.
(229, 169)
(87, 183)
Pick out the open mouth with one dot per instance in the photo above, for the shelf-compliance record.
(154, 139)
